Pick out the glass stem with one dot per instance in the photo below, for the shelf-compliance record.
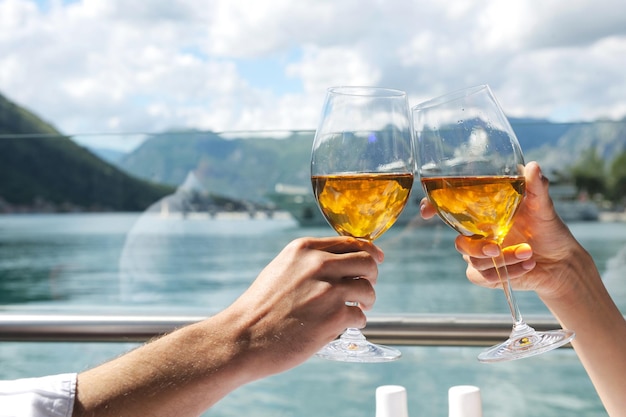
(503, 275)
(352, 335)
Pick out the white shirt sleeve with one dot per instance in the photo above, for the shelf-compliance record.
(49, 396)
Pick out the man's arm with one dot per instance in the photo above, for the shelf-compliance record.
(294, 307)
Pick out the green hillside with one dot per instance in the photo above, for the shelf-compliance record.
(42, 170)
(248, 168)
(240, 168)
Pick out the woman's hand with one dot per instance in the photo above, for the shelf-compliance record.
(535, 248)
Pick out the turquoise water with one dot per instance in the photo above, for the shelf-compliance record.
(126, 262)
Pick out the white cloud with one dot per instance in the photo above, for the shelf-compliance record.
(575, 23)
(568, 83)
(321, 68)
(113, 65)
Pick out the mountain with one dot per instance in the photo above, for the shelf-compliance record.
(242, 168)
(608, 138)
(43, 170)
(249, 168)
(535, 133)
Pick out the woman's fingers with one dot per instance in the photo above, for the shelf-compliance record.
(427, 210)
(483, 257)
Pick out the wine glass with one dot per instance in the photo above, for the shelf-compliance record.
(472, 170)
(362, 170)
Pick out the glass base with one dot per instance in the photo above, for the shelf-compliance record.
(524, 342)
(353, 347)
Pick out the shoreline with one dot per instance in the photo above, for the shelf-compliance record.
(612, 216)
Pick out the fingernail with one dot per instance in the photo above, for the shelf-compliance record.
(491, 250)
(528, 265)
(523, 252)
(380, 256)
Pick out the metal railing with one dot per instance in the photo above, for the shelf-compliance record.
(415, 330)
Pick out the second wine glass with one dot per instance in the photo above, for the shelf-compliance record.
(472, 170)
(362, 169)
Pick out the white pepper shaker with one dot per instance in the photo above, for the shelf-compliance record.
(391, 401)
(464, 401)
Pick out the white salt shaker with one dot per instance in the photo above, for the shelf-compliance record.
(464, 401)
(391, 401)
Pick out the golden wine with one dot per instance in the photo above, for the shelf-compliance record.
(477, 206)
(362, 205)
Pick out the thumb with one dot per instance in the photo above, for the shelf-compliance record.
(538, 199)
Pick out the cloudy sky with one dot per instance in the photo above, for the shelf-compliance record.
(150, 65)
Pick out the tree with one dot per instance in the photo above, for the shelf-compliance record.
(589, 173)
(617, 178)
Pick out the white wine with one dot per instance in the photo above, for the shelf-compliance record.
(362, 205)
(477, 206)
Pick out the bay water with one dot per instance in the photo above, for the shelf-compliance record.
(144, 263)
